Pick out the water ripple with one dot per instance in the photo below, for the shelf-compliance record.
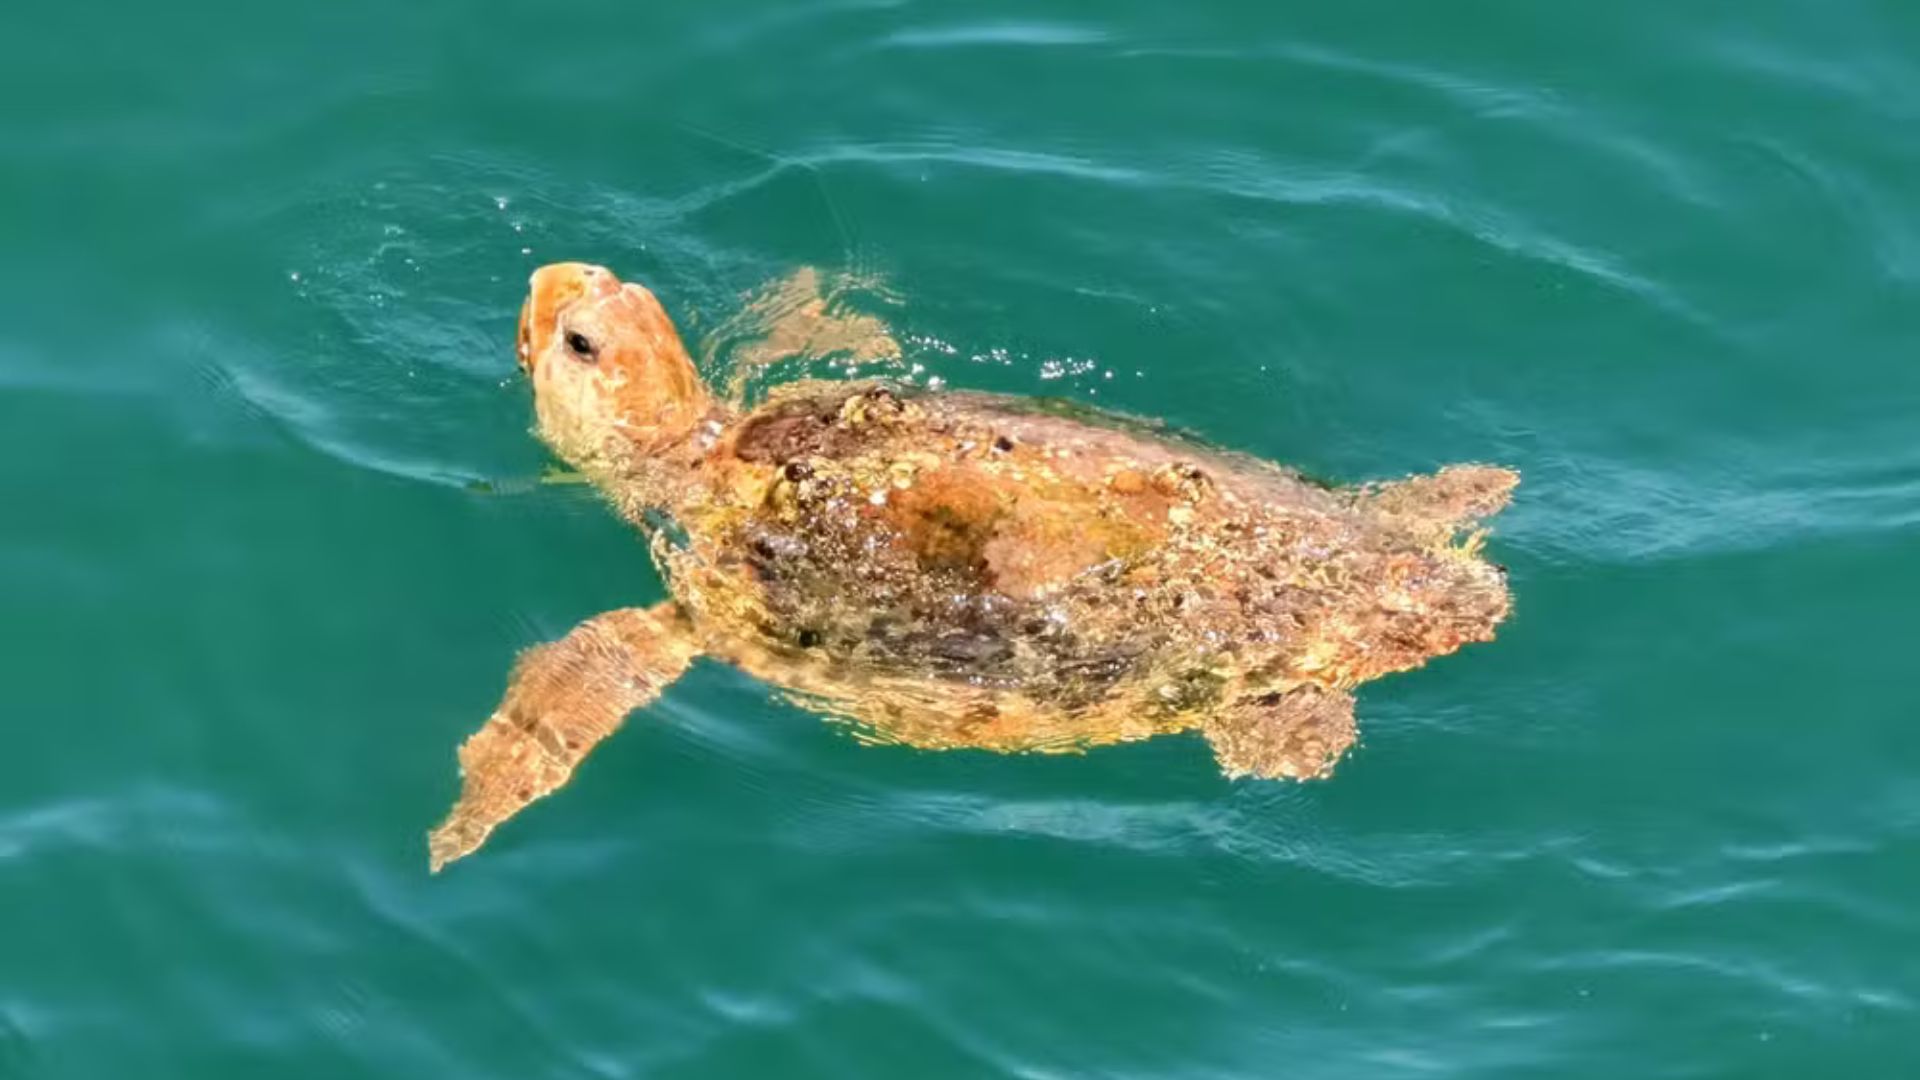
(1016, 34)
(186, 820)
(1619, 511)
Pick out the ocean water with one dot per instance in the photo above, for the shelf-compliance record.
(271, 536)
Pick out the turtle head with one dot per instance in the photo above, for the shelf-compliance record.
(610, 375)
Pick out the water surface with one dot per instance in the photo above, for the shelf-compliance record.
(269, 544)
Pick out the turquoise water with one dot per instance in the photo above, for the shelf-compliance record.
(271, 542)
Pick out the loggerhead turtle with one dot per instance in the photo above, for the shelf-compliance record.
(959, 569)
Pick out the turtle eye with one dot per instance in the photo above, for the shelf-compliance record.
(578, 344)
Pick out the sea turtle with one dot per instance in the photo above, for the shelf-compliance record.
(950, 569)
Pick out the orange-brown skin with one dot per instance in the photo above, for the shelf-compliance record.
(965, 570)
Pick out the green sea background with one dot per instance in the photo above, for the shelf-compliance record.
(269, 536)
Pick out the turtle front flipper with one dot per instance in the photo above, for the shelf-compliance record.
(562, 698)
(805, 315)
(1298, 734)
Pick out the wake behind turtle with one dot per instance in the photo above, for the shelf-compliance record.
(963, 570)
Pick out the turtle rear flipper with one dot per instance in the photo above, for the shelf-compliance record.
(562, 699)
(1296, 735)
(1444, 502)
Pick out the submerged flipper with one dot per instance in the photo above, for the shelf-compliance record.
(562, 699)
(1297, 735)
(802, 316)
